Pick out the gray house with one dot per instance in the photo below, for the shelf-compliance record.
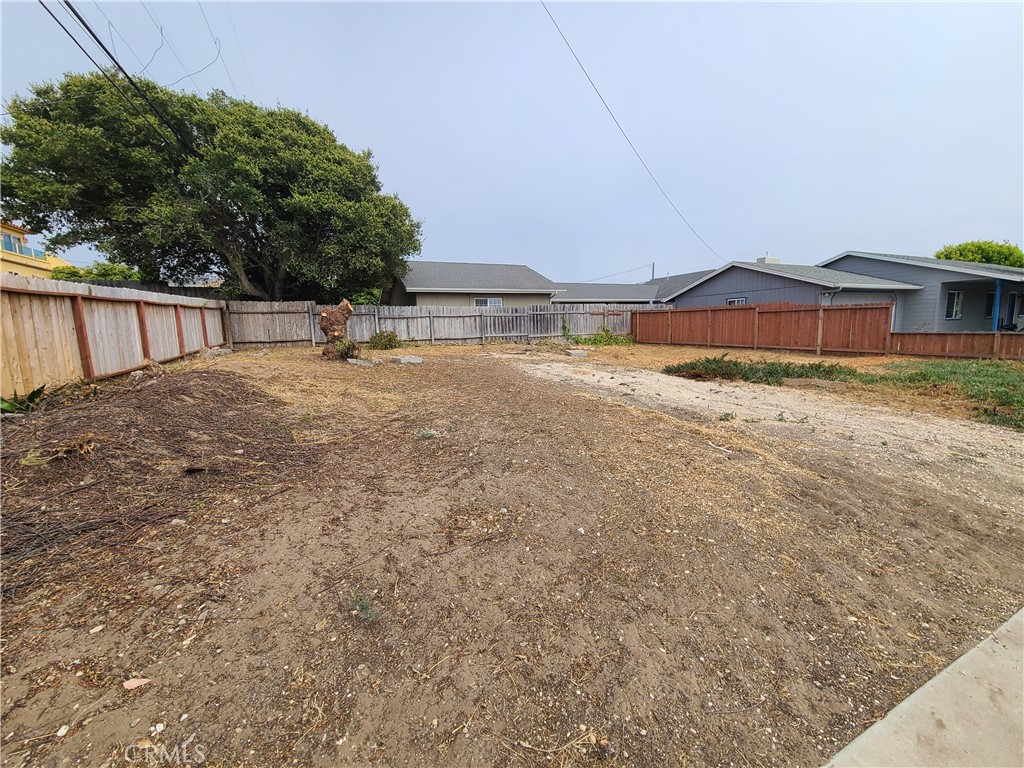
(454, 284)
(953, 296)
(767, 281)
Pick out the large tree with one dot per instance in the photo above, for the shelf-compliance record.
(985, 251)
(266, 199)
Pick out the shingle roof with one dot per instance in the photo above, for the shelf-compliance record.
(673, 284)
(456, 277)
(828, 278)
(965, 267)
(612, 293)
(834, 277)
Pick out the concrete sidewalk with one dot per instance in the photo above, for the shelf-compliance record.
(970, 714)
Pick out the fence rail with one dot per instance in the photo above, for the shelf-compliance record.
(297, 323)
(844, 329)
(54, 332)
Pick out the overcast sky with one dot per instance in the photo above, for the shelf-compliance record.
(801, 129)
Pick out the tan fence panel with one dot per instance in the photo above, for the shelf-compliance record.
(39, 344)
(55, 332)
(162, 329)
(277, 323)
(192, 328)
(114, 340)
(214, 326)
(1011, 345)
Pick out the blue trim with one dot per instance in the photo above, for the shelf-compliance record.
(995, 305)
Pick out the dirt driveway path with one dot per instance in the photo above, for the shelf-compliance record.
(950, 454)
(484, 560)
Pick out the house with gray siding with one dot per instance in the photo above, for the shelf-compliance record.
(954, 296)
(767, 281)
(455, 284)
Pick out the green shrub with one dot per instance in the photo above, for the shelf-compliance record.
(759, 372)
(384, 340)
(603, 338)
(346, 348)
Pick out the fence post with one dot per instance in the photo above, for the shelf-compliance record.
(140, 307)
(311, 310)
(83, 338)
(483, 331)
(225, 325)
(430, 323)
(821, 327)
(755, 326)
(996, 344)
(181, 330)
(202, 321)
(376, 319)
(709, 328)
(670, 326)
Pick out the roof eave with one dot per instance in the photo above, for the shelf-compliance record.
(948, 267)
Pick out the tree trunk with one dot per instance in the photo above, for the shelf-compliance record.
(334, 324)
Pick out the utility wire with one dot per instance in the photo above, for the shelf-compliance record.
(112, 29)
(626, 136)
(117, 88)
(216, 43)
(241, 48)
(201, 69)
(158, 25)
(625, 271)
(160, 115)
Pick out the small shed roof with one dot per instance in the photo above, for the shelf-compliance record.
(461, 277)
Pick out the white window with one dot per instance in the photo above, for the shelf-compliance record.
(954, 305)
(990, 303)
(488, 301)
(736, 301)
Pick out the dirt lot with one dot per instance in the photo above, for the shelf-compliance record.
(498, 557)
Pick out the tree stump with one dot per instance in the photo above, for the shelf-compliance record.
(334, 324)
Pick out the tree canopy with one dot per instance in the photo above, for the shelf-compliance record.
(100, 270)
(985, 251)
(266, 199)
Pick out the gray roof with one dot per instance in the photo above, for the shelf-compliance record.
(828, 278)
(834, 278)
(611, 293)
(964, 267)
(674, 284)
(455, 277)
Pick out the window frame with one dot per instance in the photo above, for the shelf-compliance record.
(488, 301)
(990, 304)
(736, 301)
(956, 312)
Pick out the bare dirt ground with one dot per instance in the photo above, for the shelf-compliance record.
(499, 557)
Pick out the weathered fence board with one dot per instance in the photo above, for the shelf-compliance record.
(297, 323)
(55, 332)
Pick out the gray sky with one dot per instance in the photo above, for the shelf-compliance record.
(801, 129)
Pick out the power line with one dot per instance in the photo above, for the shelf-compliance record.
(112, 29)
(626, 136)
(155, 19)
(241, 48)
(201, 69)
(216, 42)
(623, 272)
(117, 88)
(160, 115)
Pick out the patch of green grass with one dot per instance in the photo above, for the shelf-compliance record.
(994, 389)
(729, 416)
(365, 609)
(759, 372)
(603, 338)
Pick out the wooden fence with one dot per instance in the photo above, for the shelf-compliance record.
(844, 328)
(53, 332)
(297, 323)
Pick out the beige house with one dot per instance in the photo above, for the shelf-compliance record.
(453, 284)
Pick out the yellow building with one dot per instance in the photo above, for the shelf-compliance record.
(17, 258)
